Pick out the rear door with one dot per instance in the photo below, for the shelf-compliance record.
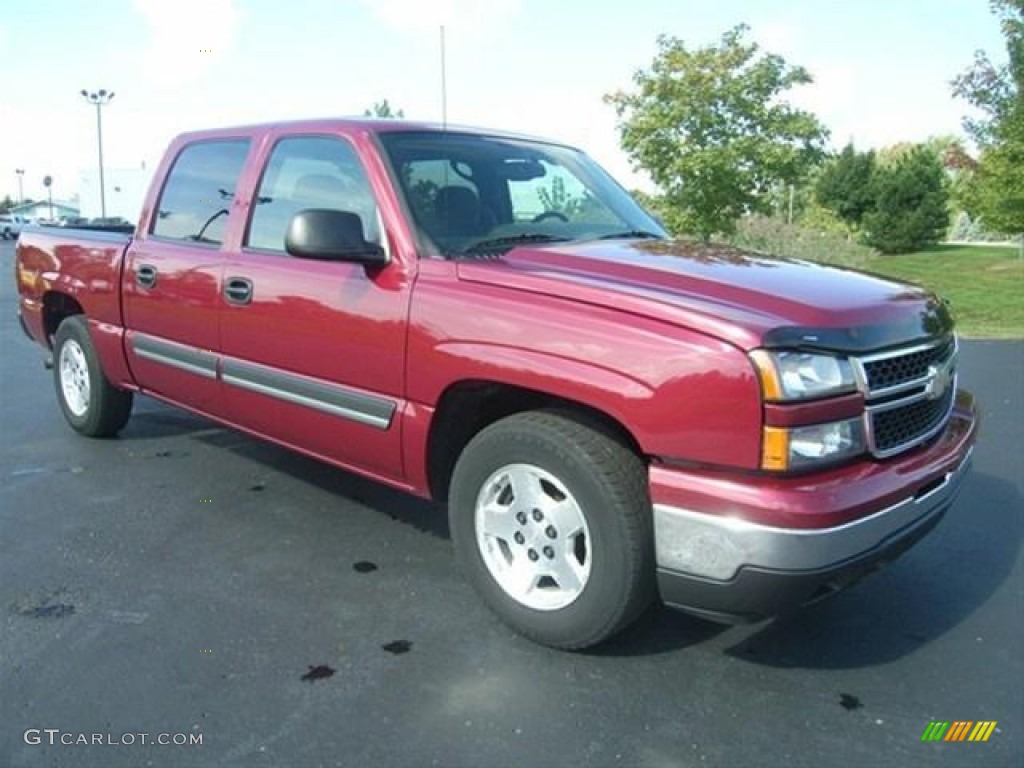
(314, 350)
(172, 277)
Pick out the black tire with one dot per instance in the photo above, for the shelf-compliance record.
(105, 409)
(607, 483)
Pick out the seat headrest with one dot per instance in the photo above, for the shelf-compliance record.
(321, 188)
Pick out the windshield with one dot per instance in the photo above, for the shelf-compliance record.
(475, 194)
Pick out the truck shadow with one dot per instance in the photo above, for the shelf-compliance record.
(158, 420)
(930, 590)
(933, 588)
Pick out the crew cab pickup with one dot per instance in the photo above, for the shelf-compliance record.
(490, 320)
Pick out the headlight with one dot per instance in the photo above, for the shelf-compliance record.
(799, 447)
(802, 375)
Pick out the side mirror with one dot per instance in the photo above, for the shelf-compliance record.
(329, 235)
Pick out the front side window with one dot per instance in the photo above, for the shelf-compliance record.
(310, 172)
(196, 200)
(472, 193)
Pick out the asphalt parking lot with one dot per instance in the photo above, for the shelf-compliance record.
(184, 579)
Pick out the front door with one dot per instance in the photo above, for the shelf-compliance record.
(313, 351)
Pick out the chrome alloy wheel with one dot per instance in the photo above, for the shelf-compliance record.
(533, 537)
(74, 377)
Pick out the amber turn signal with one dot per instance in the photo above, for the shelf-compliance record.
(775, 449)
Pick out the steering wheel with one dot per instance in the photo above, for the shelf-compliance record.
(550, 215)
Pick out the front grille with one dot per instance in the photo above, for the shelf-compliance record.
(899, 369)
(904, 425)
(909, 395)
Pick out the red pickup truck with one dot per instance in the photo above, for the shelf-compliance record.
(490, 320)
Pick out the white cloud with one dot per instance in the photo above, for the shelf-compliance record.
(430, 14)
(779, 37)
(187, 37)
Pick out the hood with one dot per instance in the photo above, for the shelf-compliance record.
(747, 298)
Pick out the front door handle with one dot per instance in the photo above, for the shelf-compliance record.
(238, 290)
(145, 275)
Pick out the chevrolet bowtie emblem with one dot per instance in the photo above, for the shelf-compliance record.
(939, 379)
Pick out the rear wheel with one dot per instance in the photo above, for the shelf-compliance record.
(551, 522)
(91, 404)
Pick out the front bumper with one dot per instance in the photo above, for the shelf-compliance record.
(764, 546)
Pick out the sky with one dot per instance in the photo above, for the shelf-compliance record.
(881, 67)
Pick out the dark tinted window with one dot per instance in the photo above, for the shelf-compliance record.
(467, 191)
(310, 172)
(200, 188)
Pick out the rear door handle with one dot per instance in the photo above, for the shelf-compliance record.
(145, 275)
(238, 290)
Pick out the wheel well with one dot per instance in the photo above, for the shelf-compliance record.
(468, 407)
(57, 307)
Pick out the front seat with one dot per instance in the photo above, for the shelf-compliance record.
(458, 212)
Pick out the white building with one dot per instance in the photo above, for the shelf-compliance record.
(125, 187)
(41, 209)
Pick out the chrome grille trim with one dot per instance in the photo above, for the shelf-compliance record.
(880, 402)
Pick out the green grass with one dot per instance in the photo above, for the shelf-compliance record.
(984, 284)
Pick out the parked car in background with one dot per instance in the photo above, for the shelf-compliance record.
(111, 224)
(11, 225)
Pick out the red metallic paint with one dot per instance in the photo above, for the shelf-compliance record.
(183, 308)
(679, 393)
(817, 412)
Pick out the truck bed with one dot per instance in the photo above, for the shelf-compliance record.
(83, 266)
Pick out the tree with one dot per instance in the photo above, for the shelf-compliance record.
(710, 127)
(910, 203)
(6, 204)
(383, 109)
(995, 189)
(556, 198)
(996, 90)
(845, 185)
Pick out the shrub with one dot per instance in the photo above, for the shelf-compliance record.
(910, 209)
(772, 235)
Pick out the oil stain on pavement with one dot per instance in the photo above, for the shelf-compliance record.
(319, 672)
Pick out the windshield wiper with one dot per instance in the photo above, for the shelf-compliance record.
(511, 241)
(639, 234)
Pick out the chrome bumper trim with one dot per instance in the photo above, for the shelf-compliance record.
(716, 547)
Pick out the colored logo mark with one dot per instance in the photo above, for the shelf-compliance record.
(958, 730)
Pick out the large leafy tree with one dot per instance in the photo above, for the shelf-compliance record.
(995, 190)
(711, 127)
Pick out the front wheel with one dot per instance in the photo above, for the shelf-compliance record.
(551, 522)
(91, 404)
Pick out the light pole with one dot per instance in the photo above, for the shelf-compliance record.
(21, 188)
(48, 183)
(99, 99)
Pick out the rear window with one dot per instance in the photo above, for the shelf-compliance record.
(200, 188)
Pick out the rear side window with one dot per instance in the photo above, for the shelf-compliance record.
(200, 188)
